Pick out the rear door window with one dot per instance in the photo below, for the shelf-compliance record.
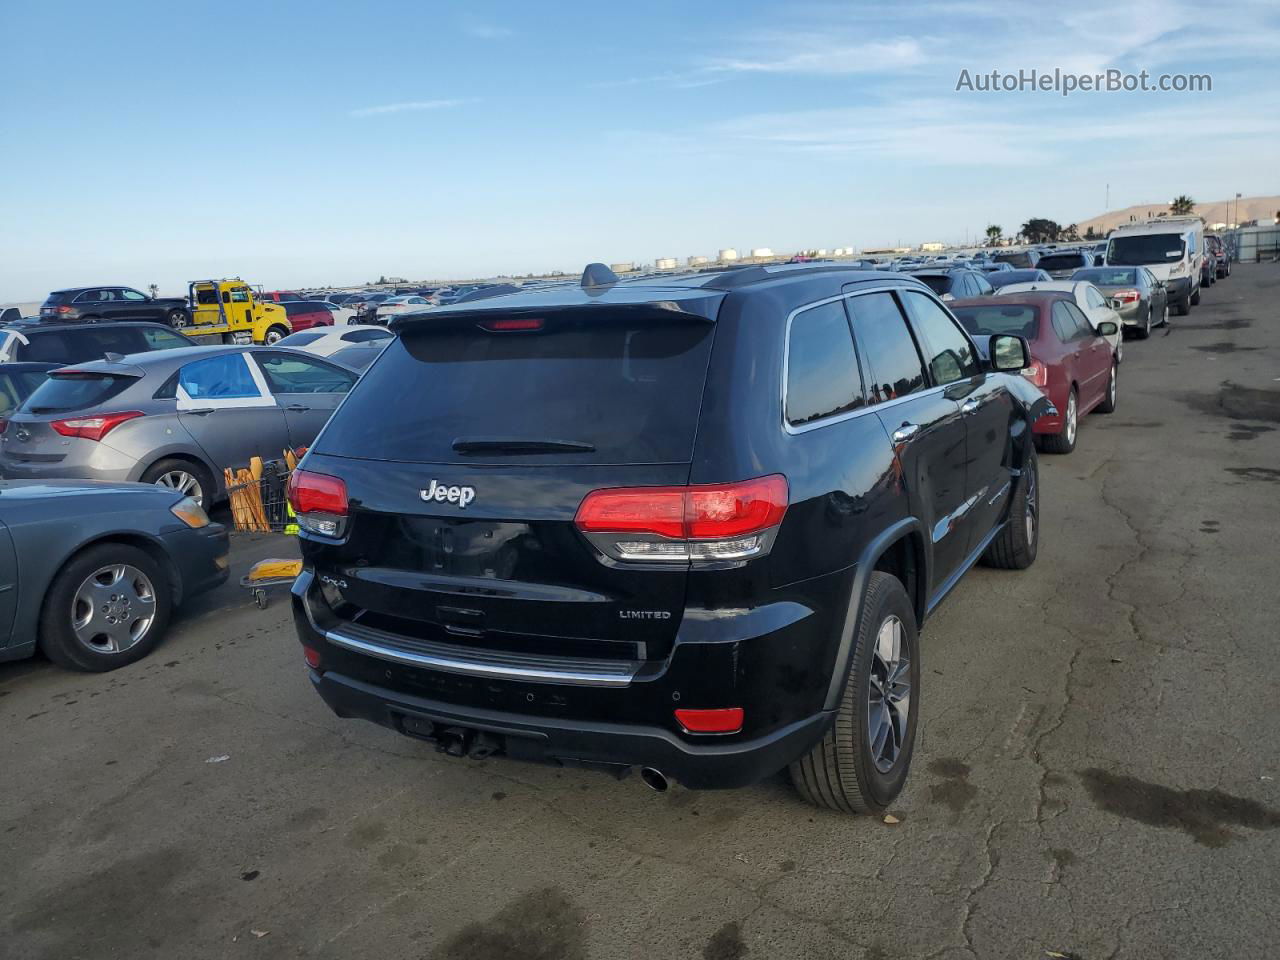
(286, 373)
(627, 389)
(886, 346)
(822, 368)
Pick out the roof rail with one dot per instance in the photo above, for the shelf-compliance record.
(597, 275)
(746, 275)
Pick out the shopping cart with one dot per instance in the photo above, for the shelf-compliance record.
(270, 573)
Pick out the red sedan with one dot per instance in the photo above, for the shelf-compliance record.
(1072, 362)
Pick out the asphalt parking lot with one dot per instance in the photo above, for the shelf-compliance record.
(1097, 775)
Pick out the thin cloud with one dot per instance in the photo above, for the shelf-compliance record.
(813, 54)
(406, 107)
(486, 31)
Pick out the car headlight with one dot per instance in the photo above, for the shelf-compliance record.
(190, 513)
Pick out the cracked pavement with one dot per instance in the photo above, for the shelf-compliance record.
(1098, 770)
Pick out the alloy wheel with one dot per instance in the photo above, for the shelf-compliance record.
(113, 609)
(889, 700)
(1111, 388)
(1030, 515)
(1071, 419)
(183, 482)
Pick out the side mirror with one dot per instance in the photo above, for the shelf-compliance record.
(1107, 329)
(1009, 353)
(947, 298)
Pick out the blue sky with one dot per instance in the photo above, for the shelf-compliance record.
(306, 143)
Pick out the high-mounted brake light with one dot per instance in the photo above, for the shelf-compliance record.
(701, 522)
(319, 501)
(511, 325)
(93, 428)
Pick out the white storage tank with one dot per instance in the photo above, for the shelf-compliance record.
(698, 261)
(622, 267)
(761, 252)
(664, 263)
(728, 253)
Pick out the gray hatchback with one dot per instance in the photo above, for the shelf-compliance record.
(174, 417)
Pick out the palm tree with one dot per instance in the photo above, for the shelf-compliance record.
(993, 234)
(1182, 205)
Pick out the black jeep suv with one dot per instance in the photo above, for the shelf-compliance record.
(687, 524)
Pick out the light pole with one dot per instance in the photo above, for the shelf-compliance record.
(1235, 218)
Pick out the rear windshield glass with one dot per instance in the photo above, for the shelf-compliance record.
(82, 344)
(61, 393)
(629, 388)
(293, 307)
(1147, 248)
(1106, 277)
(300, 339)
(937, 284)
(987, 321)
(1022, 259)
(1061, 261)
(55, 298)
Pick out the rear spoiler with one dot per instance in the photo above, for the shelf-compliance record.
(461, 317)
(99, 368)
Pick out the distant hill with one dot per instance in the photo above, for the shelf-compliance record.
(1262, 209)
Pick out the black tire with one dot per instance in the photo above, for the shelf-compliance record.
(1144, 331)
(840, 772)
(1065, 440)
(165, 473)
(178, 319)
(1016, 546)
(275, 333)
(1184, 306)
(57, 633)
(1195, 297)
(1108, 404)
(91, 318)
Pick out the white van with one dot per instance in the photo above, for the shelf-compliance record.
(1172, 248)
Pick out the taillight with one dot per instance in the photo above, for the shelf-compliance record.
(1126, 296)
(702, 522)
(1037, 373)
(319, 502)
(93, 428)
(64, 309)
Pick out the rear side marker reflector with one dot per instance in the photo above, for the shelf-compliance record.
(312, 656)
(719, 720)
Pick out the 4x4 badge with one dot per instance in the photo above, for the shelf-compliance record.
(439, 493)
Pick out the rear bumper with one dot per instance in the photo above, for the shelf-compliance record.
(577, 743)
(774, 661)
(101, 462)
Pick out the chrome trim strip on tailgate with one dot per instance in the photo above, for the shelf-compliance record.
(474, 662)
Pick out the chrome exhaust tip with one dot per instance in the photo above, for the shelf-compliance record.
(654, 779)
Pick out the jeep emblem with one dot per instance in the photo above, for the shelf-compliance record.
(439, 493)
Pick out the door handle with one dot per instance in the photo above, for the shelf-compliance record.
(297, 408)
(971, 405)
(905, 432)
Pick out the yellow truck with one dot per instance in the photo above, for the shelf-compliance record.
(228, 311)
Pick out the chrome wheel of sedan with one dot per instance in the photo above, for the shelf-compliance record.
(183, 482)
(1070, 428)
(1031, 513)
(113, 608)
(889, 703)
